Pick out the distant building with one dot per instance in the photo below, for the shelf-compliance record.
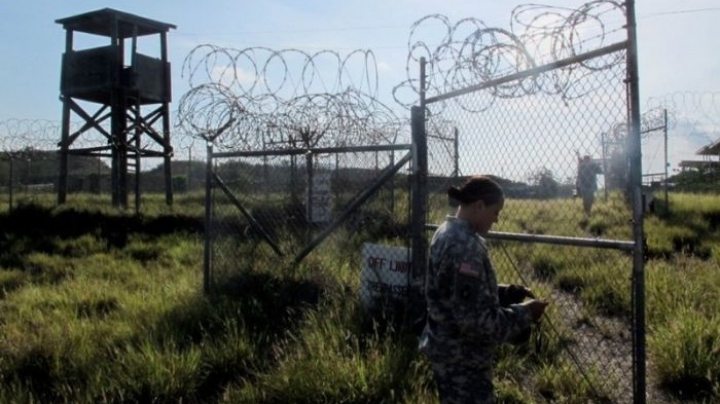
(710, 161)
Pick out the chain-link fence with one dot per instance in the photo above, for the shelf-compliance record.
(680, 146)
(555, 135)
(309, 167)
(348, 207)
(30, 158)
(28, 168)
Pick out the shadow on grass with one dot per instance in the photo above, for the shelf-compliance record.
(691, 388)
(265, 308)
(32, 228)
(234, 329)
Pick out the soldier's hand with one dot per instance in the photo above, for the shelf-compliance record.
(536, 308)
(514, 294)
(527, 292)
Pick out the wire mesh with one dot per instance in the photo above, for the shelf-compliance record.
(680, 138)
(265, 215)
(29, 162)
(287, 205)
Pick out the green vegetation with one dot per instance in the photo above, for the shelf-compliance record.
(101, 306)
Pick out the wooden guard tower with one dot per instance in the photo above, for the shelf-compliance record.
(120, 89)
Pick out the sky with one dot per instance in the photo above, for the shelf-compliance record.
(677, 43)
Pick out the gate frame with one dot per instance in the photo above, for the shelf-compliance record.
(637, 245)
(418, 195)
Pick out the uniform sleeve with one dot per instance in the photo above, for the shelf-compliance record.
(475, 301)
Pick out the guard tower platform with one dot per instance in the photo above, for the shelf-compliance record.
(133, 94)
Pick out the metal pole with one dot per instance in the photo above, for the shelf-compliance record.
(532, 72)
(293, 184)
(419, 193)
(10, 186)
(309, 210)
(315, 150)
(207, 254)
(338, 181)
(392, 185)
(419, 206)
(28, 169)
(266, 174)
(623, 245)
(604, 158)
(456, 149)
(665, 135)
(639, 353)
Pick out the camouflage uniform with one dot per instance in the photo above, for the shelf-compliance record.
(465, 320)
(587, 182)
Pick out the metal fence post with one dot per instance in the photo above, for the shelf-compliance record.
(419, 207)
(207, 254)
(635, 178)
(665, 143)
(10, 187)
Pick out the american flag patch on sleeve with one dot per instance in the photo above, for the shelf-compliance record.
(469, 269)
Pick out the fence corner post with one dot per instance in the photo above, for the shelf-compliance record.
(207, 253)
(419, 200)
(638, 273)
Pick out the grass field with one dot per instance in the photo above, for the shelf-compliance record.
(101, 306)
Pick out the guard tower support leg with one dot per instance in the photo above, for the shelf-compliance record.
(64, 139)
(167, 149)
(65, 134)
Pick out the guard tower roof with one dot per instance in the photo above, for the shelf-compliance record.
(99, 22)
(713, 149)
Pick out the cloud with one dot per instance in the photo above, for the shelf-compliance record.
(233, 75)
(384, 67)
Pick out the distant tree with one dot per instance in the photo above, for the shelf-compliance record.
(544, 181)
(700, 180)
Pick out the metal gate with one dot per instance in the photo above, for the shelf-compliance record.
(349, 208)
(310, 172)
(492, 105)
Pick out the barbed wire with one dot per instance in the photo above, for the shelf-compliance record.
(19, 137)
(264, 99)
(471, 53)
(654, 119)
(692, 113)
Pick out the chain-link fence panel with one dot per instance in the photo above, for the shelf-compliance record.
(28, 160)
(680, 132)
(535, 147)
(347, 211)
(304, 170)
(555, 137)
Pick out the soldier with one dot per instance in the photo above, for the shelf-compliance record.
(465, 321)
(587, 181)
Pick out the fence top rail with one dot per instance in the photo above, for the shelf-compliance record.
(531, 72)
(321, 150)
(559, 240)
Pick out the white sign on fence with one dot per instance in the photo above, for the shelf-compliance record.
(321, 202)
(385, 274)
